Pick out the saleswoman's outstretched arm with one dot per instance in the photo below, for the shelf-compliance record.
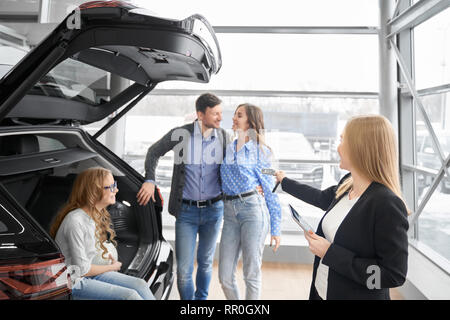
(316, 197)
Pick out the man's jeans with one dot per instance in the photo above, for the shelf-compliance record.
(205, 222)
(245, 227)
(111, 285)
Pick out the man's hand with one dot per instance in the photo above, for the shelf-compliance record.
(146, 192)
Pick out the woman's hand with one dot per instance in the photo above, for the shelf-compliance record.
(317, 244)
(97, 269)
(260, 190)
(280, 175)
(277, 240)
(115, 265)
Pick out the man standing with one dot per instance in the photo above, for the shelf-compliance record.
(196, 193)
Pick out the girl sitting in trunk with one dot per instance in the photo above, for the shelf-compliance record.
(81, 228)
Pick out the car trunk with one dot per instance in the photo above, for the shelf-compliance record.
(55, 81)
(38, 170)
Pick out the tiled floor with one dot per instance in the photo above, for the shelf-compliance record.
(281, 281)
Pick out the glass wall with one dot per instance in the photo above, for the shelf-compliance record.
(302, 131)
(432, 69)
(429, 57)
(307, 85)
(294, 62)
(272, 13)
(432, 51)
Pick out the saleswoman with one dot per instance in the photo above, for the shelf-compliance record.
(361, 244)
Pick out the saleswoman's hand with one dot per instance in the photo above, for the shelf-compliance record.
(280, 175)
(317, 245)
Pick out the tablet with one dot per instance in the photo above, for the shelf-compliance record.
(300, 221)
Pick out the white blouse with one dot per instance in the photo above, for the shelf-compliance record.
(77, 241)
(330, 225)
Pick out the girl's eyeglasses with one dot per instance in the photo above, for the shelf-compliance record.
(111, 187)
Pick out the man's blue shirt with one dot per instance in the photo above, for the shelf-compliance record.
(202, 177)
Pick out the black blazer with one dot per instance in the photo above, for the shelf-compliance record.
(374, 233)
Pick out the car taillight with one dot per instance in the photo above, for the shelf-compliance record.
(36, 281)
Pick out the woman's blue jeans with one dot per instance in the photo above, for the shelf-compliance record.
(245, 227)
(205, 222)
(111, 286)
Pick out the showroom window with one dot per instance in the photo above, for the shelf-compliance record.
(432, 76)
(308, 80)
(309, 69)
(294, 62)
(302, 131)
(272, 13)
(427, 100)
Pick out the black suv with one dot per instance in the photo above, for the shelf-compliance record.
(61, 85)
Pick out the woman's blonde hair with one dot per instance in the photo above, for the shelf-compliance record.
(87, 190)
(372, 150)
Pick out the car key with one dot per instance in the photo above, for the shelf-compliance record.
(271, 172)
(268, 171)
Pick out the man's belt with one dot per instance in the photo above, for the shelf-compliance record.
(202, 203)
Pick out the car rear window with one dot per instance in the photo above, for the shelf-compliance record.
(49, 144)
(20, 237)
(9, 225)
(76, 81)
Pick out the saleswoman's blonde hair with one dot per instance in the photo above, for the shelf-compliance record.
(372, 150)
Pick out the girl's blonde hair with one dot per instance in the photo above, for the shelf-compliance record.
(372, 150)
(87, 190)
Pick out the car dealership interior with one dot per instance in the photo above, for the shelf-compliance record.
(310, 65)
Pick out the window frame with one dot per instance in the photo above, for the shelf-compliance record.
(406, 17)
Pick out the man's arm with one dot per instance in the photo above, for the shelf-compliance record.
(156, 151)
